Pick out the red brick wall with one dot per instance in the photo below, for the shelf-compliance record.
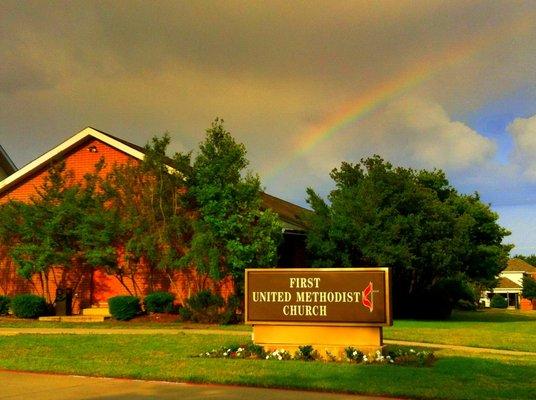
(526, 304)
(96, 286)
(79, 160)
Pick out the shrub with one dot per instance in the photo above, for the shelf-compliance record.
(29, 306)
(229, 314)
(159, 302)
(204, 307)
(124, 308)
(185, 313)
(4, 305)
(352, 354)
(498, 301)
(306, 353)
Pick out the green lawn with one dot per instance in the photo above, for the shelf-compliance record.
(10, 322)
(498, 329)
(166, 357)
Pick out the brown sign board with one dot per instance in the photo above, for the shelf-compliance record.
(318, 296)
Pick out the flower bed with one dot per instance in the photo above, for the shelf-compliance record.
(395, 356)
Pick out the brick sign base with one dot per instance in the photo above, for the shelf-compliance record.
(334, 339)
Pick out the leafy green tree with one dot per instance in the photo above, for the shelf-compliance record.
(154, 213)
(529, 287)
(63, 225)
(433, 238)
(231, 232)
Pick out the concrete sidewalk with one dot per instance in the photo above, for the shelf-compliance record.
(24, 385)
(179, 331)
(118, 331)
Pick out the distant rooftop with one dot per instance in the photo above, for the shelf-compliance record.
(505, 283)
(518, 265)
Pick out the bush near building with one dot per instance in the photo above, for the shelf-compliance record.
(124, 308)
(159, 302)
(498, 301)
(29, 306)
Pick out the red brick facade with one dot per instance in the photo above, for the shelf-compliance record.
(94, 286)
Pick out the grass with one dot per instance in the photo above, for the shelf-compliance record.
(165, 357)
(9, 322)
(498, 329)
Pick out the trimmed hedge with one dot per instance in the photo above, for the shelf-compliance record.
(124, 308)
(498, 301)
(159, 302)
(29, 306)
(4, 305)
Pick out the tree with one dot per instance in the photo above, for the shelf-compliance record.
(231, 232)
(529, 287)
(150, 200)
(62, 226)
(434, 239)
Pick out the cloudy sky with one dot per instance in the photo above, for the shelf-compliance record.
(304, 85)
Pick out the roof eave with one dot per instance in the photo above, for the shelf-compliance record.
(62, 148)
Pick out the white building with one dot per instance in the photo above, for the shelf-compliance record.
(510, 284)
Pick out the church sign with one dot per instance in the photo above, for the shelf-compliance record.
(323, 296)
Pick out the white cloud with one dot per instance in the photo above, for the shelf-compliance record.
(412, 131)
(425, 134)
(523, 131)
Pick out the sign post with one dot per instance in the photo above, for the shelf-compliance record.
(329, 308)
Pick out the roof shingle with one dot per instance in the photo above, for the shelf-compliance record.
(518, 265)
(505, 283)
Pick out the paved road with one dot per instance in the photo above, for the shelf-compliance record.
(24, 386)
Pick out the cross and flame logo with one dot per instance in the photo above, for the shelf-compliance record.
(368, 297)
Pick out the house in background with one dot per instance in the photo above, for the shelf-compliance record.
(94, 286)
(510, 285)
(7, 167)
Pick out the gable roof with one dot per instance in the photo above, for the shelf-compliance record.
(63, 148)
(6, 164)
(519, 265)
(290, 214)
(505, 283)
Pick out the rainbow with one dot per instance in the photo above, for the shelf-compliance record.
(385, 92)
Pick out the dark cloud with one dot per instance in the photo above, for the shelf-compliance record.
(273, 70)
